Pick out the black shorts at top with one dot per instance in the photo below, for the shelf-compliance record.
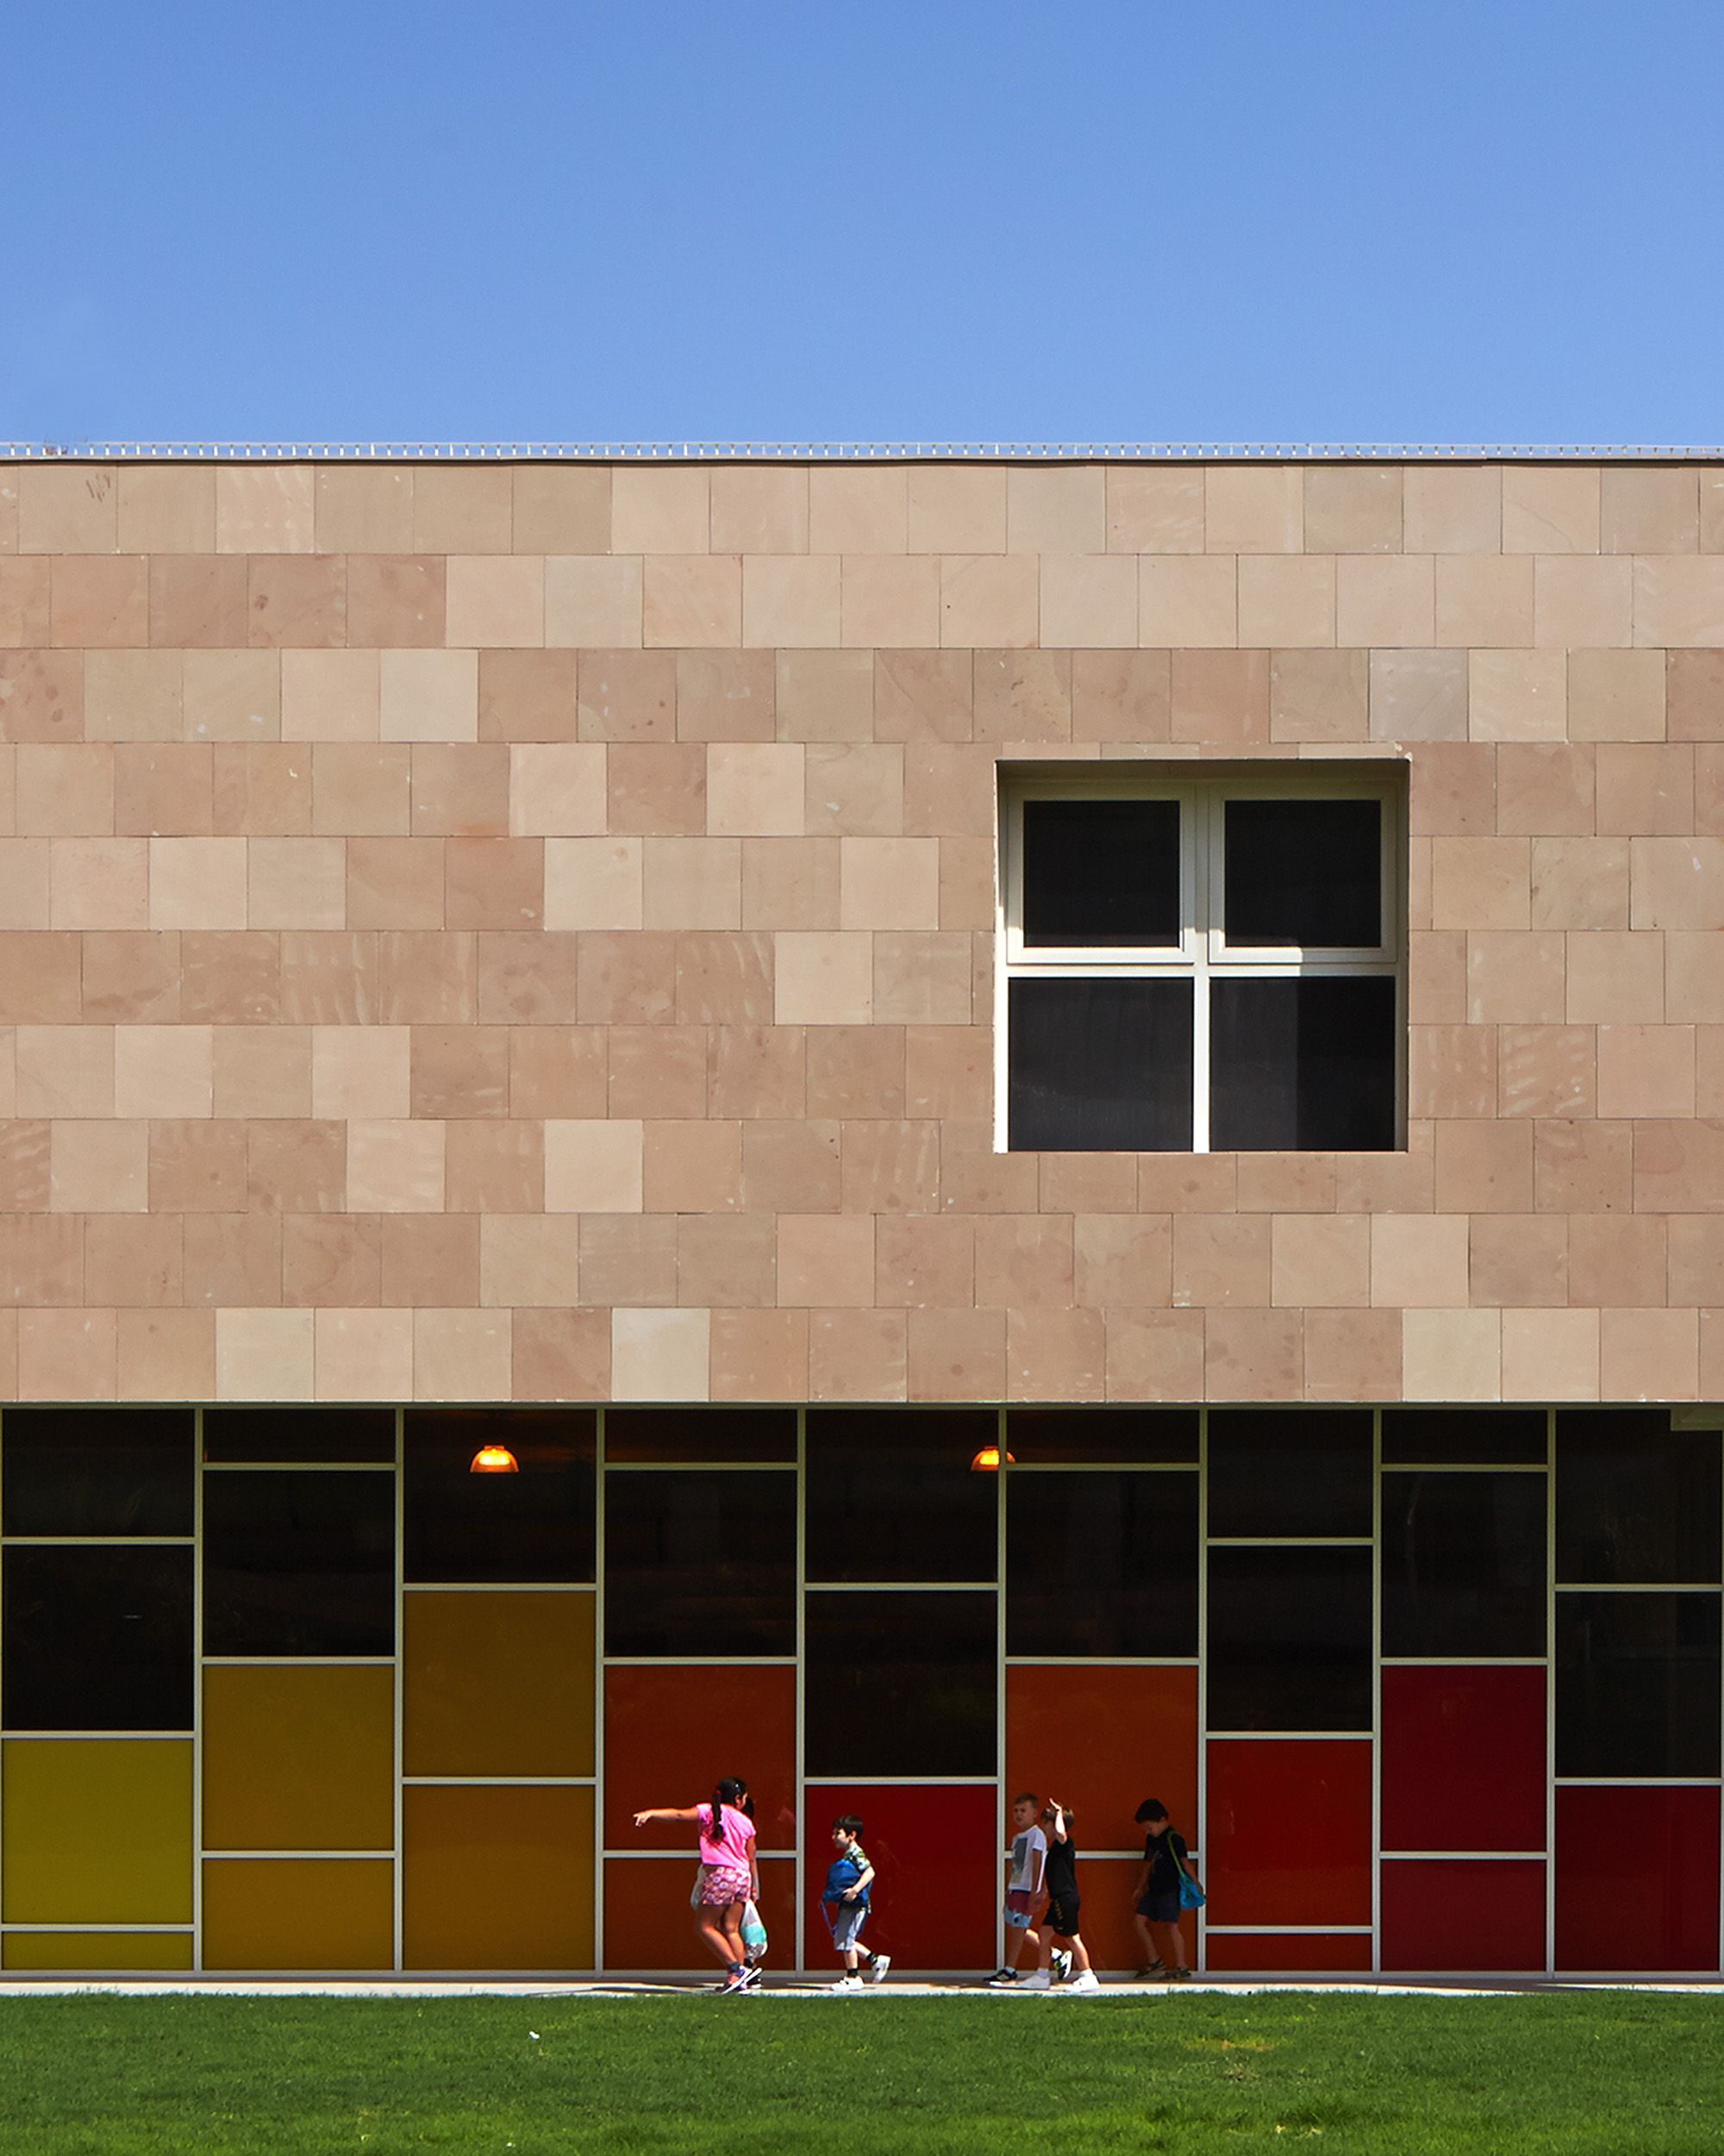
(1161, 1906)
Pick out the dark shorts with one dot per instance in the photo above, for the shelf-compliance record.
(1161, 1907)
(1062, 1915)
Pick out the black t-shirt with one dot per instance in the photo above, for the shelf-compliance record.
(1159, 1850)
(1061, 1875)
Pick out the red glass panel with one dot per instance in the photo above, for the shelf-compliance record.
(1465, 1916)
(669, 1734)
(648, 1924)
(1286, 1954)
(1637, 1879)
(1288, 1837)
(1464, 1761)
(1102, 1738)
(937, 1856)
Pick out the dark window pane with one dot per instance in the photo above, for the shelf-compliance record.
(699, 1563)
(1290, 1639)
(99, 1639)
(1302, 1064)
(1636, 1500)
(1427, 1436)
(696, 1434)
(1101, 872)
(1100, 1065)
(273, 1434)
(899, 1684)
(1126, 1434)
(535, 1525)
(891, 1495)
(1305, 872)
(298, 1562)
(1464, 1565)
(98, 1471)
(1637, 1684)
(1102, 1564)
(1291, 1471)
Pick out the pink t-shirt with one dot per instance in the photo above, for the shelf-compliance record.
(734, 1846)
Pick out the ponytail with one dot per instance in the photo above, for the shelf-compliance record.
(730, 1792)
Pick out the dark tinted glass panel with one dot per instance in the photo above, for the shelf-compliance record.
(299, 1433)
(1637, 1684)
(1101, 872)
(891, 1495)
(1290, 1639)
(99, 1639)
(535, 1525)
(700, 1434)
(1302, 1064)
(699, 1563)
(1101, 1564)
(1304, 1471)
(298, 1562)
(1464, 1565)
(1636, 1500)
(1422, 1435)
(98, 1471)
(899, 1684)
(1100, 1065)
(1306, 872)
(1127, 1435)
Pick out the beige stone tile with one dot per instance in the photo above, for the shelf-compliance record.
(593, 1167)
(1253, 1355)
(1119, 697)
(361, 1072)
(1320, 1260)
(1648, 1355)
(95, 600)
(824, 980)
(232, 696)
(1550, 508)
(1614, 979)
(363, 1354)
(166, 1354)
(1580, 883)
(98, 1168)
(1451, 1355)
(1711, 513)
(957, 508)
(495, 600)
(1254, 508)
(889, 883)
(1419, 1261)
(1649, 509)
(594, 883)
(1676, 883)
(989, 599)
(1550, 1355)
(863, 509)
(164, 1070)
(1545, 790)
(462, 1354)
(1220, 699)
(1056, 509)
(25, 588)
(691, 883)
(1678, 600)
(725, 695)
(593, 602)
(1519, 1261)
(65, 1070)
(1646, 791)
(760, 508)
(627, 696)
(1122, 1259)
(1418, 696)
(262, 1071)
(1387, 599)
(826, 695)
(166, 509)
(530, 1260)
(826, 1261)
(1155, 1355)
(394, 599)
(562, 508)
(1582, 600)
(64, 792)
(789, 883)
(1187, 601)
(854, 792)
(1155, 509)
(364, 508)
(1484, 599)
(1694, 695)
(8, 508)
(656, 788)
(692, 599)
(429, 696)
(755, 789)
(1480, 882)
(1452, 509)
(463, 509)
(957, 1354)
(527, 695)
(98, 883)
(361, 788)
(1286, 600)
(557, 788)
(790, 600)
(661, 509)
(1647, 1071)
(660, 1355)
(890, 599)
(1089, 601)
(1515, 979)
(265, 1354)
(1693, 980)
(23, 883)
(1056, 1355)
(1354, 509)
(41, 695)
(69, 510)
(1319, 695)
(265, 510)
(329, 696)
(296, 884)
(1022, 697)
(395, 1166)
(1517, 695)
(1616, 696)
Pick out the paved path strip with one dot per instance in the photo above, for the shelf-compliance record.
(789, 1988)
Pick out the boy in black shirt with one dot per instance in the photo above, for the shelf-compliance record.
(1060, 1932)
(1156, 1895)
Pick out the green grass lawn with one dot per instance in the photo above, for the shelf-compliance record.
(1632, 2074)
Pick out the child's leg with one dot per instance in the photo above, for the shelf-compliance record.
(709, 1930)
(1079, 1952)
(1017, 1939)
(1169, 1945)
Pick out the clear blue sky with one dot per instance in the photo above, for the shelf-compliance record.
(1171, 220)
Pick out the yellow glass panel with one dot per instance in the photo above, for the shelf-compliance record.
(498, 1878)
(97, 1832)
(299, 1759)
(118, 1950)
(498, 1683)
(316, 1914)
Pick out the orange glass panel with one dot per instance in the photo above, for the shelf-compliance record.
(1102, 1738)
(1286, 1954)
(939, 1876)
(115, 1950)
(649, 1926)
(498, 1683)
(298, 1758)
(671, 1734)
(1288, 1837)
(498, 1878)
(317, 1914)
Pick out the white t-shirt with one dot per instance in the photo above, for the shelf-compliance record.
(1029, 1854)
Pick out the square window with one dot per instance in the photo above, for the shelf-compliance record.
(1200, 963)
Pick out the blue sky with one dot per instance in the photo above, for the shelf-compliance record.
(1172, 219)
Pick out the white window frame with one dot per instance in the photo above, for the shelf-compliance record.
(1202, 953)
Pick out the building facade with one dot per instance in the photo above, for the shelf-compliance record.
(1068, 1113)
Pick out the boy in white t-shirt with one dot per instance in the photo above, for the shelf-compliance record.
(1025, 1862)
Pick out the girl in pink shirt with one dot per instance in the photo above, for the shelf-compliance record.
(729, 1876)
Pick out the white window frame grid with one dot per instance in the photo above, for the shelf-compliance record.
(1203, 953)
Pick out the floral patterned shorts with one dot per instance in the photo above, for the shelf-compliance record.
(722, 1884)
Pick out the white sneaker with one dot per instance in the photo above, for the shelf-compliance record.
(877, 1968)
(848, 1983)
(1086, 1981)
(1039, 1982)
(1062, 1964)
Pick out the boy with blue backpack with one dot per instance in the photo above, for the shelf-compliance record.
(844, 1899)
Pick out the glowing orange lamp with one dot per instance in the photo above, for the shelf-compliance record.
(987, 1461)
(494, 1459)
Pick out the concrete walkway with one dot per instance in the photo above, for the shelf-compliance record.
(791, 1987)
